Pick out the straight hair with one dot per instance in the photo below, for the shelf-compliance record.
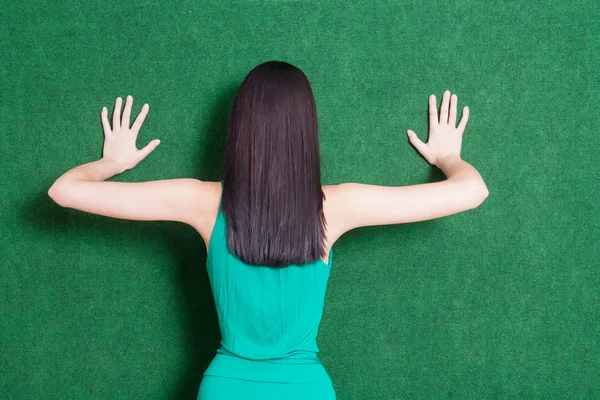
(272, 196)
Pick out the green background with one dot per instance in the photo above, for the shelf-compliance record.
(500, 302)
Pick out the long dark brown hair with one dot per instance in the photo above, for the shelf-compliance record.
(272, 197)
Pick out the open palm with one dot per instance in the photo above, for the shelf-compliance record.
(119, 141)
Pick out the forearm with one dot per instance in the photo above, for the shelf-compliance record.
(456, 168)
(99, 170)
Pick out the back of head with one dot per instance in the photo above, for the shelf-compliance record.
(272, 198)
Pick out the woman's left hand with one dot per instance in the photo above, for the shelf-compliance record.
(119, 142)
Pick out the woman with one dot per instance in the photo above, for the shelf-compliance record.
(269, 225)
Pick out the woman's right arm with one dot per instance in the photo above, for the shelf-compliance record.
(352, 205)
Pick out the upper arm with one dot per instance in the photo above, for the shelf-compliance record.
(181, 200)
(356, 205)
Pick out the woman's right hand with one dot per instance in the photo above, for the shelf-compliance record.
(444, 138)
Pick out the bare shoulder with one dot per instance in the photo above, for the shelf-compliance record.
(208, 195)
(331, 210)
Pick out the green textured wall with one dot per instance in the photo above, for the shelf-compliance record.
(501, 302)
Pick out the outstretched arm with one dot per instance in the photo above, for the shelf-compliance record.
(84, 187)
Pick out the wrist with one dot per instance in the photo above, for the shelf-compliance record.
(444, 157)
(111, 164)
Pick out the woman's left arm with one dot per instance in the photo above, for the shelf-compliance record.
(84, 187)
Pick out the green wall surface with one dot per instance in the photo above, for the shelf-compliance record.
(499, 302)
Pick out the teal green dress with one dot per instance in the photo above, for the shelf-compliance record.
(269, 320)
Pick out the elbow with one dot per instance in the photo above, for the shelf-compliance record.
(55, 195)
(476, 192)
(482, 194)
(475, 188)
(484, 191)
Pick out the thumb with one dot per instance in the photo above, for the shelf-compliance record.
(419, 145)
(148, 149)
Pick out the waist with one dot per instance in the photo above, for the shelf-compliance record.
(302, 367)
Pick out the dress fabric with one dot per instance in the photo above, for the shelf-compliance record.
(269, 319)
